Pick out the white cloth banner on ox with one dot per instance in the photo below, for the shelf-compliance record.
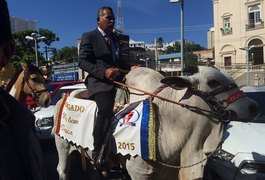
(135, 130)
(76, 121)
(134, 133)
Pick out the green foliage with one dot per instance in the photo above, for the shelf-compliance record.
(173, 49)
(66, 54)
(25, 49)
(188, 47)
(50, 36)
(190, 59)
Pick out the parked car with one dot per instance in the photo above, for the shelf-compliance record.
(242, 154)
(44, 116)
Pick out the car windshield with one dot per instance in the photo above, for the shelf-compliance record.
(58, 95)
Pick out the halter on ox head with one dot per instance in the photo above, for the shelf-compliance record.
(219, 91)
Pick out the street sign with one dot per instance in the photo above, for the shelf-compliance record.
(66, 76)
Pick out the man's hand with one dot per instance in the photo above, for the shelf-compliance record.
(111, 73)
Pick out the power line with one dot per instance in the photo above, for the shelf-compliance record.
(169, 29)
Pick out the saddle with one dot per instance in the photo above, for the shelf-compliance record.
(121, 97)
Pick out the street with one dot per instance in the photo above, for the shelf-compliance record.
(76, 172)
(51, 160)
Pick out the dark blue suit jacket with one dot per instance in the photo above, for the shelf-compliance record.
(95, 56)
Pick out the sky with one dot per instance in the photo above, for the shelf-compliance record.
(144, 20)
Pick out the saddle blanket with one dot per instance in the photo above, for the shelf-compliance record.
(76, 121)
(133, 132)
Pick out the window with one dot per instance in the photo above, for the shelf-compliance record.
(254, 15)
(227, 23)
(227, 28)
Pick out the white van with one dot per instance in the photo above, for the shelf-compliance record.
(242, 154)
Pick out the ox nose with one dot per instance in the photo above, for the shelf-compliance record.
(253, 112)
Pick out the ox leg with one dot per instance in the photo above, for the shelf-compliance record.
(63, 149)
(139, 169)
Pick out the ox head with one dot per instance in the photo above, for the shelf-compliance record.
(218, 90)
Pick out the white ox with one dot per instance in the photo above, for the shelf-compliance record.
(186, 136)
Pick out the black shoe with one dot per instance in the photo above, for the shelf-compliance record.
(114, 173)
(101, 163)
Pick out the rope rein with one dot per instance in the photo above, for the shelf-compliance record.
(216, 106)
(149, 93)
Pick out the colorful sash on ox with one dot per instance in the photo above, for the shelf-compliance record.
(76, 121)
(135, 131)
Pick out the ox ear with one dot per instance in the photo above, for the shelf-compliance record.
(178, 83)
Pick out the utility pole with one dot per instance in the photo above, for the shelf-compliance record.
(181, 31)
(156, 58)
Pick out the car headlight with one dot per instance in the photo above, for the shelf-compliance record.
(252, 168)
(249, 168)
(223, 155)
(44, 122)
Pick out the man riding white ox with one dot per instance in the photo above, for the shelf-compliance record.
(189, 120)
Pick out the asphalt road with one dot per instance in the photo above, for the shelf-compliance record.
(51, 160)
(76, 172)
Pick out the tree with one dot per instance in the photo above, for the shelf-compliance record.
(173, 49)
(190, 59)
(25, 49)
(189, 47)
(66, 54)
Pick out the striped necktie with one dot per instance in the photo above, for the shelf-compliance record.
(108, 40)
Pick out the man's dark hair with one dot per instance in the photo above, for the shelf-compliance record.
(100, 11)
(5, 29)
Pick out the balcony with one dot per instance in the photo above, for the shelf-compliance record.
(226, 31)
(253, 26)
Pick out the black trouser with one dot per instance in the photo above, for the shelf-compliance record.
(105, 103)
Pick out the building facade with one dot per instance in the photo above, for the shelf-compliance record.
(210, 38)
(239, 33)
(19, 24)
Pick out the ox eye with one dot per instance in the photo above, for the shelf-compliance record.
(213, 83)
